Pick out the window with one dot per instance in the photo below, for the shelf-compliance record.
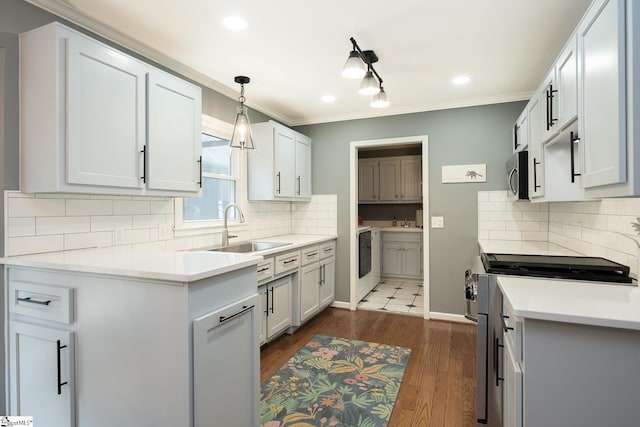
(220, 179)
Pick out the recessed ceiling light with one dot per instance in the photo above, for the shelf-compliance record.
(328, 98)
(461, 80)
(235, 23)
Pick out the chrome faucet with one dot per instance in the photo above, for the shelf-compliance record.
(225, 232)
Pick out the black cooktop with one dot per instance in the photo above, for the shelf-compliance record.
(556, 266)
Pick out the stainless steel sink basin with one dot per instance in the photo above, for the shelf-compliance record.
(247, 247)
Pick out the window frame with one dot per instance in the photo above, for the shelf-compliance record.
(220, 129)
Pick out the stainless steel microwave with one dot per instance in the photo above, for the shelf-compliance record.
(518, 176)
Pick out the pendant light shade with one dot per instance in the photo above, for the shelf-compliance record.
(380, 99)
(242, 137)
(369, 85)
(354, 68)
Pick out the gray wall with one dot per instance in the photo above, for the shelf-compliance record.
(456, 136)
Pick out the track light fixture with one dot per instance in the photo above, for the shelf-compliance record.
(360, 65)
(242, 137)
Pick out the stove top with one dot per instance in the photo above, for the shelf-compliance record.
(558, 267)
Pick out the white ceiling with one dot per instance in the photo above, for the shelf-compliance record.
(294, 50)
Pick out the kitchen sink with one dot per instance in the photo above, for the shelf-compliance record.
(247, 247)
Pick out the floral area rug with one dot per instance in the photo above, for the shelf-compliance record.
(335, 382)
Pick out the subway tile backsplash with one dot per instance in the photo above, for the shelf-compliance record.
(37, 223)
(599, 228)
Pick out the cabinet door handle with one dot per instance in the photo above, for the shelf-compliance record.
(535, 174)
(199, 161)
(60, 383)
(144, 164)
(263, 269)
(299, 186)
(504, 323)
(573, 139)
(278, 189)
(552, 120)
(267, 310)
(496, 360)
(244, 310)
(272, 300)
(515, 136)
(34, 301)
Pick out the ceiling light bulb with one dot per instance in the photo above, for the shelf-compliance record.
(235, 23)
(369, 85)
(354, 67)
(461, 80)
(380, 99)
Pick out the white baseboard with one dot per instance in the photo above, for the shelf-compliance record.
(434, 315)
(341, 304)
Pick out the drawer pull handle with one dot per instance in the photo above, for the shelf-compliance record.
(290, 261)
(244, 310)
(34, 301)
(312, 254)
(60, 384)
(263, 269)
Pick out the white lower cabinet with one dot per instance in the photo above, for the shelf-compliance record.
(275, 298)
(568, 374)
(41, 368)
(309, 290)
(133, 351)
(327, 281)
(402, 254)
(223, 339)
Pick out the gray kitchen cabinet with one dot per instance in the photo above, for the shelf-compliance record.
(402, 254)
(41, 368)
(309, 283)
(390, 180)
(568, 374)
(368, 180)
(279, 168)
(275, 307)
(135, 344)
(94, 120)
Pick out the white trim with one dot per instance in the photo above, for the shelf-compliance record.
(459, 318)
(341, 304)
(353, 209)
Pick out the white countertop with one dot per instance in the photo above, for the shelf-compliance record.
(402, 229)
(524, 247)
(157, 264)
(588, 303)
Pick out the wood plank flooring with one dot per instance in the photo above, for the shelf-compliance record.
(439, 385)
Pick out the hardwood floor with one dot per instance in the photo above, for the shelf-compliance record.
(439, 385)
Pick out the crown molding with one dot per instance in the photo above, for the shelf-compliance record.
(66, 10)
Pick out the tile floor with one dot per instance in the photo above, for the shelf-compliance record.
(396, 295)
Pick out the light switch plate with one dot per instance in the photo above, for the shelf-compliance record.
(437, 222)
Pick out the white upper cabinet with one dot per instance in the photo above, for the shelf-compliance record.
(411, 179)
(603, 93)
(303, 166)
(94, 120)
(521, 132)
(390, 180)
(106, 125)
(175, 141)
(536, 156)
(279, 168)
(566, 71)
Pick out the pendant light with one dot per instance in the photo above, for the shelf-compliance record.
(354, 67)
(371, 83)
(380, 99)
(242, 137)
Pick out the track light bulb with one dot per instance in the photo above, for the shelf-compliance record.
(369, 85)
(354, 67)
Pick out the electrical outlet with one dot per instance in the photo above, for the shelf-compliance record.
(118, 236)
(165, 232)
